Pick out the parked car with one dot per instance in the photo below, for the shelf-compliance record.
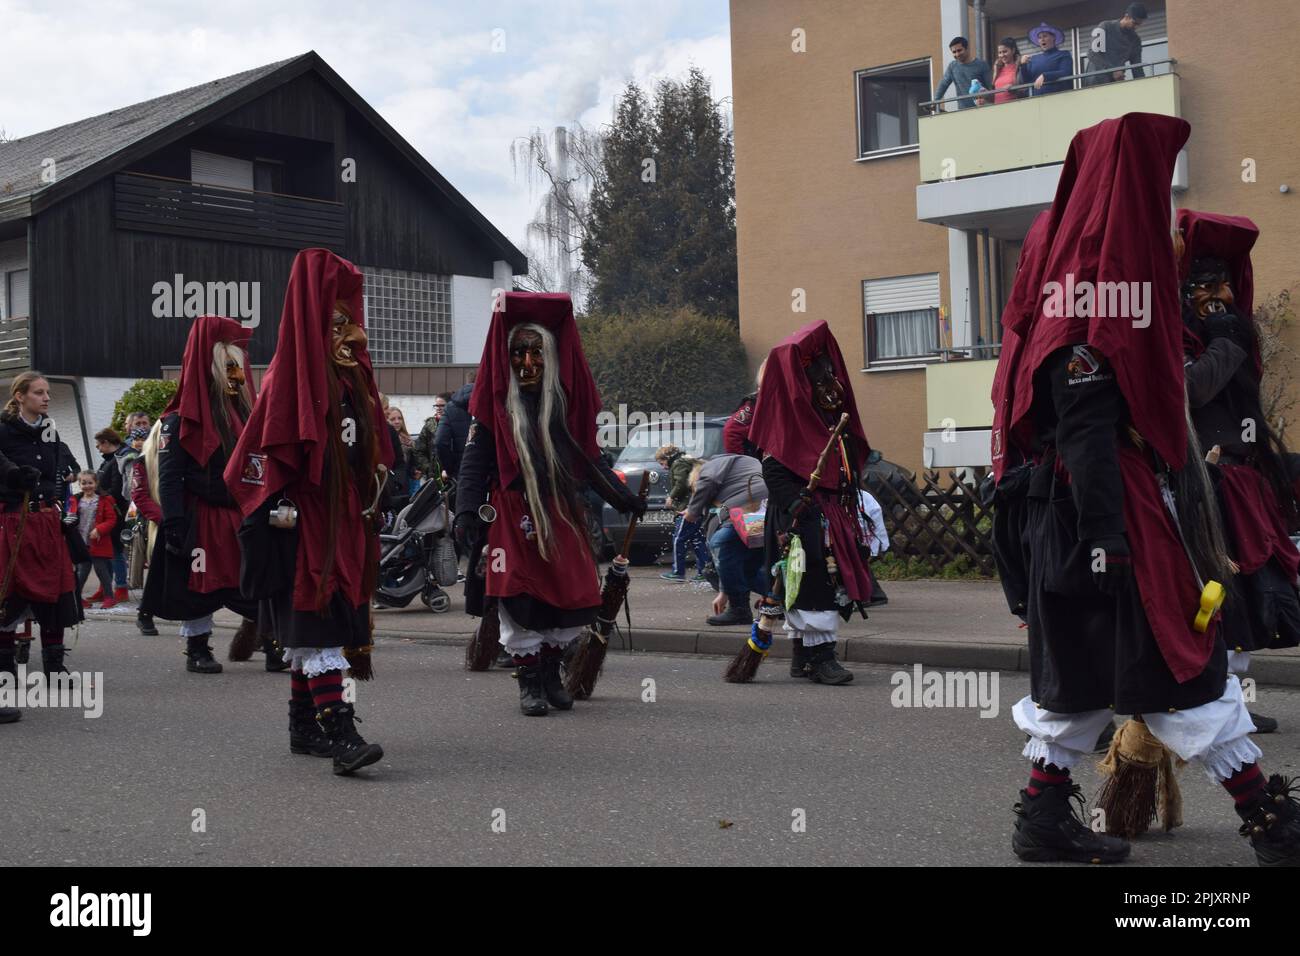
(654, 532)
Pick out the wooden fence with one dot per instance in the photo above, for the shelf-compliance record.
(937, 523)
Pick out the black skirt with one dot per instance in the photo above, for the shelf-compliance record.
(1088, 651)
(167, 592)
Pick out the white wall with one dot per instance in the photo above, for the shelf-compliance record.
(471, 310)
(99, 395)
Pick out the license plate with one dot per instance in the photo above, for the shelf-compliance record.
(659, 517)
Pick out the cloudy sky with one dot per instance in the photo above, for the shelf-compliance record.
(427, 65)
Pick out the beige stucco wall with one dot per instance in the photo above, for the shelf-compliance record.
(810, 217)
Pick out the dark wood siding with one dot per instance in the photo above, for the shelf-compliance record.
(93, 308)
(395, 219)
(92, 293)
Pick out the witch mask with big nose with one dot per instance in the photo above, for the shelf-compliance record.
(527, 360)
(347, 338)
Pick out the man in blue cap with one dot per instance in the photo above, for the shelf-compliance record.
(1115, 45)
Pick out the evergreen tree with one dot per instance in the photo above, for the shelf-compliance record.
(662, 228)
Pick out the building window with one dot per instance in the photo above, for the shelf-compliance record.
(408, 317)
(14, 286)
(900, 317)
(227, 172)
(888, 100)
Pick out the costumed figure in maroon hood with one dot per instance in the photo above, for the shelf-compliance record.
(1121, 539)
(735, 434)
(37, 570)
(1256, 498)
(194, 568)
(804, 391)
(531, 447)
(306, 474)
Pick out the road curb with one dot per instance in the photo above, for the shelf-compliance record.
(1280, 671)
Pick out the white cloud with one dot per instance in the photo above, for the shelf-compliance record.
(426, 67)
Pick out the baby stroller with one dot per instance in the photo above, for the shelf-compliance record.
(418, 556)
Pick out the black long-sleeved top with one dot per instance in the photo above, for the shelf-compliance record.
(478, 470)
(1216, 416)
(1081, 414)
(36, 446)
(179, 473)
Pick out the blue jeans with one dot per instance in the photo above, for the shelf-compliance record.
(688, 533)
(740, 568)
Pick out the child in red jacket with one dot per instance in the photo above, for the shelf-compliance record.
(96, 519)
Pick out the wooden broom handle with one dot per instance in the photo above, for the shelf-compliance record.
(631, 525)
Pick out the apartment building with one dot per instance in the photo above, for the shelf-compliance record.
(900, 221)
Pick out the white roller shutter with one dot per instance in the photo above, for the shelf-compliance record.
(211, 169)
(17, 298)
(901, 294)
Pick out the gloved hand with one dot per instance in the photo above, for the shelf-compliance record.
(1117, 562)
(174, 536)
(468, 527)
(1221, 325)
(636, 505)
(811, 510)
(23, 478)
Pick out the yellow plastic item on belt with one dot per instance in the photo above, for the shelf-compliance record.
(1211, 600)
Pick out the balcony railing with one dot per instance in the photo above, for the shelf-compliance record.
(15, 345)
(1030, 131)
(179, 207)
(1076, 81)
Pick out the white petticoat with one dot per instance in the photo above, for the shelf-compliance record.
(314, 661)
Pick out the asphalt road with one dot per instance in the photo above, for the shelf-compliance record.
(706, 773)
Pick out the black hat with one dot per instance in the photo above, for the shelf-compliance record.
(1138, 11)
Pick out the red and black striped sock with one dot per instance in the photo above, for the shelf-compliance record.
(1044, 774)
(326, 689)
(299, 689)
(1245, 784)
(551, 650)
(525, 660)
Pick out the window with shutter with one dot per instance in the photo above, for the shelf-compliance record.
(900, 317)
(16, 294)
(228, 172)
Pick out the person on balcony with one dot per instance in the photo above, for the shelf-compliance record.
(1120, 46)
(962, 71)
(1046, 70)
(1006, 72)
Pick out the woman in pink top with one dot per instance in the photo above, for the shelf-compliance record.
(1005, 71)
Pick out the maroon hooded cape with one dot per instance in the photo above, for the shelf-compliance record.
(1258, 529)
(216, 527)
(1025, 299)
(1230, 238)
(788, 426)
(1110, 222)
(283, 444)
(568, 578)
(553, 311)
(192, 402)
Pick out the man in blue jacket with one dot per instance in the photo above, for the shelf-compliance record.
(1046, 69)
(449, 441)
